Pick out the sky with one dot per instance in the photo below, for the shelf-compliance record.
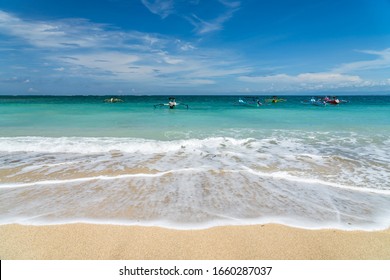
(146, 47)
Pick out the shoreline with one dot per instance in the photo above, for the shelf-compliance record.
(115, 242)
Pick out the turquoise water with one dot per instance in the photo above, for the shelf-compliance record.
(207, 116)
(78, 159)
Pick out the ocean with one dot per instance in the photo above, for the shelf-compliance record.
(73, 159)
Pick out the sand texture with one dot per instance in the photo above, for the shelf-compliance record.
(87, 241)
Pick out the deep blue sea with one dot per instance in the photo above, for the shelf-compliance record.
(68, 159)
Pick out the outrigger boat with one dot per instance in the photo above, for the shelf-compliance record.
(249, 101)
(334, 100)
(171, 103)
(113, 100)
(315, 102)
(275, 99)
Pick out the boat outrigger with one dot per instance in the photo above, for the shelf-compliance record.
(171, 103)
(323, 101)
(275, 99)
(315, 102)
(250, 101)
(334, 100)
(113, 100)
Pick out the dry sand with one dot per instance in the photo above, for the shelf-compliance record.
(86, 241)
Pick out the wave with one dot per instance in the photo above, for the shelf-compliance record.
(310, 180)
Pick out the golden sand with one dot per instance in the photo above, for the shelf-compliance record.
(87, 241)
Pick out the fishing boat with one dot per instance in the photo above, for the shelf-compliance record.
(113, 100)
(171, 104)
(315, 102)
(275, 99)
(334, 100)
(249, 101)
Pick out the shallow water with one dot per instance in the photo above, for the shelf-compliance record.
(78, 159)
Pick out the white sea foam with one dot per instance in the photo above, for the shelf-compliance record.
(305, 179)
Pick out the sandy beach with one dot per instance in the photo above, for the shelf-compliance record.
(87, 241)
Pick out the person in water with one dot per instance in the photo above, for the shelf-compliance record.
(172, 103)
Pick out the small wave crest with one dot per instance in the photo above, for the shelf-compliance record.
(312, 180)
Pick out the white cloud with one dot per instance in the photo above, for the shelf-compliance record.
(308, 81)
(53, 34)
(138, 57)
(112, 63)
(383, 61)
(193, 82)
(77, 34)
(163, 8)
(152, 64)
(170, 59)
(202, 82)
(203, 27)
(340, 77)
(208, 26)
(231, 4)
(156, 60)
(32, 90)
(220, 71)
(308, 78)
(187, 47)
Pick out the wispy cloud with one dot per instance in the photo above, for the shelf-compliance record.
(79, 48)
(163, 8)
(74, 34)
(308, 81)
(32, 90)
(307, 78)
(347, 75)
(382, 61)
(111, 63)
(83, 50)
(54, 34)
(203, 27)
(208, 26)
(231, 4)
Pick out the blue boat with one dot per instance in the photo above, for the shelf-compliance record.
(249, 101)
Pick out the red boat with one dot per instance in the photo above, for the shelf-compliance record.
(334, 102)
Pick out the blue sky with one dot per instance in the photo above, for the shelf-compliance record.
(194, 46)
